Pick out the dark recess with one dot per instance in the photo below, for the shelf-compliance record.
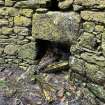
(53, 5)
(60, 48)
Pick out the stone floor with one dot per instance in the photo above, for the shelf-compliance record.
(19, 87)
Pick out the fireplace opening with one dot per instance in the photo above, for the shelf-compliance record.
(62, 50)
(52, 56)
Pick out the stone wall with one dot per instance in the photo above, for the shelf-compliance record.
(79, 23)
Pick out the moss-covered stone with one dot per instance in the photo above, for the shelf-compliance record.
(4, 37)
(6, 30)
(21, 31)
(11, 21)
(32, 3)
(89, 71)
(11, 49)
(42, 10)
(3, 22)
(97, 90)
(56, 26)
(77, 7)
(99, 28)
(27, 51)
(20, 37)
(2, 61)
(92, 58)
(26, 12)
(89, 26)
(95, 73)
(1, 2)
(8, 11)
(9, 2)
(93, 16)
(88, 40)
(22, 42)
(1, 51)
(65, 4)
(22, 21)
(99, 4)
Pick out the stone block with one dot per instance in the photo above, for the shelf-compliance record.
(98, 4)
(10, 49)
(21, 31)
(27, 51)
(93, 16)
(66, 4)
(56, 26)
(22, 21)
(32, 3)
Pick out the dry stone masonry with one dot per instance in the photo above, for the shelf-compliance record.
(78, 23)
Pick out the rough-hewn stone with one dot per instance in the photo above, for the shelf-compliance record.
(9, 2)
(56, 26)
(3, 22)
(89, 26)
(10, 49)
(99, 4)
(88, 71)
(22, 21)
(32, 3)
(26, 12)
(99, 28)
(27, 51)
(1, 2)
(93, 16)
(5, 11)
(65, 4)
(6, 30)
(88, 40)
(21, 31)
(89, 57)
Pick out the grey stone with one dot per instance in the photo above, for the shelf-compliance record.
(6, 30)
(10, 49)
(1, 2)
(3, 22)
(93, 16)
(32, 3)
(97, 4)
(22, 21)
(27, 51)
(65, 4)
(8, 11)
(21, 31)
(56, 26)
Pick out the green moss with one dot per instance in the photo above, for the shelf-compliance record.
(99, 28)
(22, 21)
(44, 28)
(55, 26)
(85, 40)
(11, 49)
(27, 51)
(92, 58)
(93, 16)
(9, 2)
(89, 26)
(26, 12)
(6, 30)
(100, 4)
